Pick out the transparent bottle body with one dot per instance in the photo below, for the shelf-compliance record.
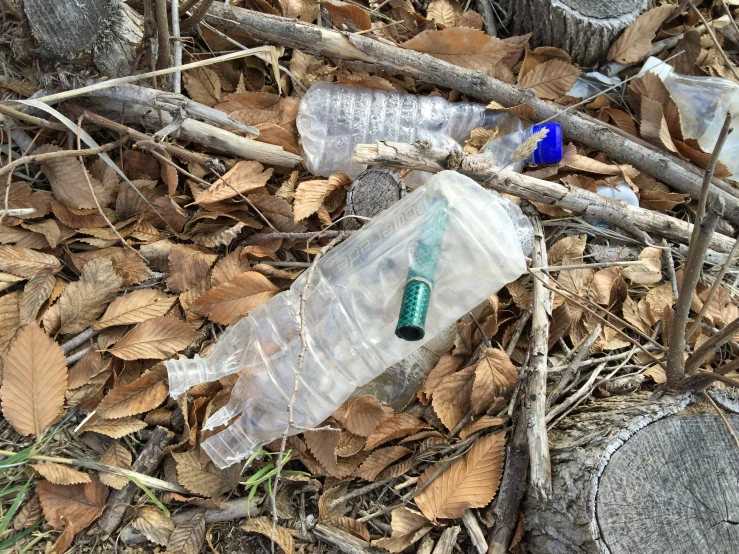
(703, 103)
(351, 309)
(333, 119)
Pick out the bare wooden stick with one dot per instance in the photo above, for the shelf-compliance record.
(379, 54)
(473, 530)
(41, 158)
(699, 243)
(15, 212)
(422, 156)
(570, 374)
(346, 542)
(33, 120)
(164, 59)
(535, 395)
(713, 342)
(237, 508)
(146, 462)
(177, 46)
(714, 289)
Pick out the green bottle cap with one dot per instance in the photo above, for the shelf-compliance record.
(413, 310)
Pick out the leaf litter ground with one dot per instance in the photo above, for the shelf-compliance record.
(106, 279)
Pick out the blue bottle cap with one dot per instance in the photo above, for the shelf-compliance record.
(549, 149)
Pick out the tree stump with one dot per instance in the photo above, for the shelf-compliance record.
(584, 28)
(628, 479)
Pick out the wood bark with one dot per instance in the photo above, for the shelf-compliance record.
(626, 480)
(584, 28)
(624, 148)
(422, 156)
(234, 509)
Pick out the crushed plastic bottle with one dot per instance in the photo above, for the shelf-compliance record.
(333, 119)
(703, 103)
(351, 311)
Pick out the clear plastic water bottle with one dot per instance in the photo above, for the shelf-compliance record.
(356, 300)
(333, 119)
(703, 103)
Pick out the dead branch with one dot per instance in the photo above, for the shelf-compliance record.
(237, 508)
(699, 243)
(580, 202)
(164, 59)
(570, 374)
(589, 131)
(474, 531)
(346, 542)
(33, 120)
(713, 342)
(146, 462)
(41, 158)
(447, 541)
(535, 395)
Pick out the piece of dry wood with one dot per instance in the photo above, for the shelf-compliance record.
(171, 103)
(209, 136)
(579, 201)
(535, 384)
(586, 130)
(426, 545)
(447, 541)
(147, 462)
(344, 541)
(474, 531)
(234, 509)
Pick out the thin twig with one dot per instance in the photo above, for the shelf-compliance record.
(177, 77)
(296, 382)
(164, 59)
(720, 413)
(254, 239)
(95, 198)
(522, 321)
(713, 342)
(15, 114)
(670, 266)
(727, 61)
(699, 242)
(731, 17)
(570, 375)
(191, 22)
(42, 158)
(714, 289)
(584, 266)
(359, 492)
(16, 212)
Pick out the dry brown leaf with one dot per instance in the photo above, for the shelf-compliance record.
(35, 294)
(153, 524)
(583, 163)
(521, 296)
(631, 314)
(263, 526)
(187, 266)
(127, 264)
(63, 541)
(245, 176)
(226, 303)
(69, 184)
(446, 365)
(398, 426)
(461, 46)
(75, 505)
(495, 376)
(144, 394)
(620, 119)
(118, 456)
(206, 480)
(550, 79)
(354, 17)
(25, 262)
(654, 195)
(203, 85)
(452, 397)
(485, 422)
(656, 374)
(379, 460)
(444, 12)
(654, 125)
(469, 482)
(80, 373)
(659, 298)
(578, 281)
(364, 414)
(571, 247)
(28, 515)
(636, 40)
(61, 474)
(187, 537)
(83, 301)
(650, 86)
(606, 283)
(155, 339)
(7, 280)
(649, 271)
(310, 194)
(322, 444)
(136, 307)
(116, 428)
(699, 158)
(34, 382)
(229, 267)
(408, 527)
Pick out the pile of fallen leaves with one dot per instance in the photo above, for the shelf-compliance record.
(106, 278)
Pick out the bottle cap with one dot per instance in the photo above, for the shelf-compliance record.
(549, 149)
(413, 309)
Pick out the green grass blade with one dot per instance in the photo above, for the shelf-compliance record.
(10, 541)
(14, 506)
(150, 494)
